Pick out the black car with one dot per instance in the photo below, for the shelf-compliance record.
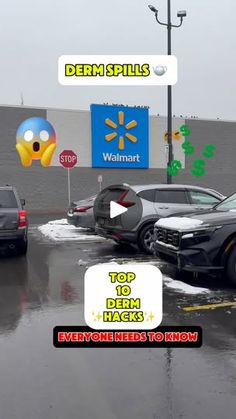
(13, 221)
(201, 242)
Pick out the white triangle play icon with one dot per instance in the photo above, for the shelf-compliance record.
(116, 209)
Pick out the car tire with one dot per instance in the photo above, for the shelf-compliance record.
(146, 238)
(231, 267)
(22, 247)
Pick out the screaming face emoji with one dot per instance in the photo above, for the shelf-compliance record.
(36, 140)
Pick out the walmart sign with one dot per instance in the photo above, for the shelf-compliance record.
(119, 137)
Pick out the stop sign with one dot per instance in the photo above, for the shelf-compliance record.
(68, 159)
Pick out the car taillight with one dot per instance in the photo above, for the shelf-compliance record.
(82, 209)
(22, 221)
(126, 204)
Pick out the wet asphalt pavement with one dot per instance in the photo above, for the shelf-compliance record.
(38, 381)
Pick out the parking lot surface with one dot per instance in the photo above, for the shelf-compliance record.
(46, 289)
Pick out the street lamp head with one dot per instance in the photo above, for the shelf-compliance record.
(152, 8)
(182, 14)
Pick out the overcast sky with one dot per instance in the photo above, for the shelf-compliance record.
(35, 33)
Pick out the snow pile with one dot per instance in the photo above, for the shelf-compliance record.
(60, 230)
(174, 284)
(180, 286)
(178, 223)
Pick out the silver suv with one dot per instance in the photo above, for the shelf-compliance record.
(146, 204)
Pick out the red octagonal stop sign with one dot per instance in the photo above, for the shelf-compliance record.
(68, 159)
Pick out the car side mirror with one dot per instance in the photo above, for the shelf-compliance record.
(22, 202)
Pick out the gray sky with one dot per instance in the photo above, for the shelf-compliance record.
(35, 33)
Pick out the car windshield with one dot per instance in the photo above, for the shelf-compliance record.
(228, 204)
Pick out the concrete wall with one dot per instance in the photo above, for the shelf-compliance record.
(47, 188)
(220, 170)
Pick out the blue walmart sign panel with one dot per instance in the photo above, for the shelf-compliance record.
(119, 137)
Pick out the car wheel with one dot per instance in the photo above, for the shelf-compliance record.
(22, 247)
(146, 239)
(231, 267)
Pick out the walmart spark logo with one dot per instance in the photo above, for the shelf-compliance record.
(119, 137)
(114, 134)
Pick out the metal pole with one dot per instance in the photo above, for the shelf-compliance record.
(169, 95)
(68, 178)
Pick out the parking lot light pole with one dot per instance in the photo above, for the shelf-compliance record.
(169, 25)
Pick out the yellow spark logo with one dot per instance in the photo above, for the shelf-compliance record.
(114, 134)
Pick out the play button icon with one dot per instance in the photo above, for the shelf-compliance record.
(116, 209)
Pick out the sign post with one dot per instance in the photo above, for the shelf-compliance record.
(167, 152)
(68, 179)
(68, 159)
(100, 182)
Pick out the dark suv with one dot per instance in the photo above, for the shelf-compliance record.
(13, 221)
(200, 242)
(146, 204)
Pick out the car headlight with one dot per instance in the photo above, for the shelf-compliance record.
(201, 231)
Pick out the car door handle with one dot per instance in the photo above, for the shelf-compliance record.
(199, 208)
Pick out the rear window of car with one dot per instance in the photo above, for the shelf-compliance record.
(7, 199)
(112, 194)
(148, 195)
(168, 196)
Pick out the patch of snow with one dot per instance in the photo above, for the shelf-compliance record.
(137, 260)
(176, 285)
(180, 286)
(179, 223)
(60, 230)
(82, 262)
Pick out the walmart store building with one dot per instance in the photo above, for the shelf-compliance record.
(121, 143)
